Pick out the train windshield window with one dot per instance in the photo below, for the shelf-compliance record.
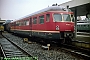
(57, 17)
(47, 17)
(66, 17)
(41, 19)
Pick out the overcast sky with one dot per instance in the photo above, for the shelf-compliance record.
(15, 9)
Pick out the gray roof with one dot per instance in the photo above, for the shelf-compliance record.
(51, 8)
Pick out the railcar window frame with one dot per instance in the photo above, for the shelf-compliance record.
(34, 20)
(17, 23)
(41, 19)
(30, 22)
(47, 17)
(72, 18)
(20, 23)
(26, 23)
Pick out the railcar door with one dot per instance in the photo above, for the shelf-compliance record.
(30, 26)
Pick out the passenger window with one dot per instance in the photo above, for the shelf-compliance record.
(26, 22)
(12, 24)
(47, 17)
(17, 24)
(20, 24)
(35, 20)
(41, 19)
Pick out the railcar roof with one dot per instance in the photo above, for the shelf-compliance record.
(51, 8)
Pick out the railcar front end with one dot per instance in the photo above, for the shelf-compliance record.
(63, 25)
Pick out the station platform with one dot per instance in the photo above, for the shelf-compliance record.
(83, 36)
(83, 33)
(82, 40)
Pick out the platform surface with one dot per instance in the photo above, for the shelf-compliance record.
(83, 36)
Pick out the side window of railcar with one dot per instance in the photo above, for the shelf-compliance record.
(47, 17)
(35, 20)
(41, 19)
(13, 24)
(20, 23)
(26, 22)
(17, 23)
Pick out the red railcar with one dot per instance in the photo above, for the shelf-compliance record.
(53, 23)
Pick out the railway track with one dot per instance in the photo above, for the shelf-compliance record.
(10, 50)
(77, 51)
(84, 53)
(71, 49)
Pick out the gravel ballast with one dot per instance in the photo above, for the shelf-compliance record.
(36, 50)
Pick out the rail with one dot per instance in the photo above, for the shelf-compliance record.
(2, 51)
(6, 44)
(76, 50)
